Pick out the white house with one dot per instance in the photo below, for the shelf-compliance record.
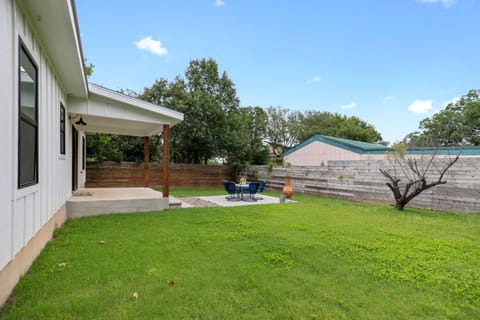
(47, 107)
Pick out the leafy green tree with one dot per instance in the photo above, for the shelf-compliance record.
(104, 147)
(111, 147)
(88, 68)
(471, 116)
(280, 129)
(172, 95)
(336, 125)
(457, 124)
(287, 128)
(245, 144)
(207, 100)
(257, 119)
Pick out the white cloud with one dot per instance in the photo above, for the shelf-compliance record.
(452, 101)
(421, 106)
(445, 3)
(219, 3)
(313, 80)
(153, 46)
(349, 106)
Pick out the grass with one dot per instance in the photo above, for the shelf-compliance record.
(315, 259)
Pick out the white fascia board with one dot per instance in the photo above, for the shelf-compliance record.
(55, 22)
(175, 116)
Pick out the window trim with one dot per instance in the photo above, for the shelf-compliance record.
(63, 148)
(23, 48)
(84, 152)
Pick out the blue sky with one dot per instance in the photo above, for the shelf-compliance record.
(391, 63)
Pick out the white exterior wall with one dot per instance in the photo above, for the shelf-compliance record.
(23, 212)
(318, 153)
(7, 99)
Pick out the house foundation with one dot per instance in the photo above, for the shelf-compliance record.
(11, 273)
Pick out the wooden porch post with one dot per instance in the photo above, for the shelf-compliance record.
(146, 161)
(166, 160)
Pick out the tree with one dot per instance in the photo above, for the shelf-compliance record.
(410, 175)
(457, 124)
(102, 147)
(287, 128)
(207, 100)
(245, 145)
(336, 125)
(280, 130)
(111, 147)
(88, 68)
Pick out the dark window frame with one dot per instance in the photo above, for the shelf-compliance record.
(24, 119)
(62, 130)
(84, 153)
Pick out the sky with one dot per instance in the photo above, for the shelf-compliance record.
(391, 63)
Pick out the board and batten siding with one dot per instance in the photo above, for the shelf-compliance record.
(24, 212)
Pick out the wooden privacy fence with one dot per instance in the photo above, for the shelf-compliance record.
(130, 174)
(361, 180)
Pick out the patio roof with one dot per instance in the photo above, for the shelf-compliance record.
(109, 111)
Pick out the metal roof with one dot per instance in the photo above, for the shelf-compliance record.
(361, 147)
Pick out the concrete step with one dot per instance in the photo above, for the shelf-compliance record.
(174, 203)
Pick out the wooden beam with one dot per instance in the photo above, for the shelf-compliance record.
(166, 160)
(146, 161)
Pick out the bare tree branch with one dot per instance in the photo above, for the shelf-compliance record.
(413, 174)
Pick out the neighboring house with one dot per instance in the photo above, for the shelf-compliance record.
(47, 107)
(318, 150)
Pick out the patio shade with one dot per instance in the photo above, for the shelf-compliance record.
(108, 111)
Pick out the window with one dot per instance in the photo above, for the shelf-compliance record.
(62, 129)
(84, 153)
(28, 120)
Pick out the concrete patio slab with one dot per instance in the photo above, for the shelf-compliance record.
(96, 201)
(223, 202)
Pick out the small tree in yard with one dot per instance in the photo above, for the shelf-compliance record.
(410, 175)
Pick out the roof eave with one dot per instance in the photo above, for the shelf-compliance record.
(174, 117)
(55, 23)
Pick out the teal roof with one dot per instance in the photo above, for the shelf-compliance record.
(360, 147)
(468, 150)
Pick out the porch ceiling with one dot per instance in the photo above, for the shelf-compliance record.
(108, 111)
(97, 124)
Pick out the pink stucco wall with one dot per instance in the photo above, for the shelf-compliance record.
(316, 153)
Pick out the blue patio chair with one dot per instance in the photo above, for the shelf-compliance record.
(232, 191)
(260, 189)
(252, 190)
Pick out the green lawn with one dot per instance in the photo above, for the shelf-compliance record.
(315, 259)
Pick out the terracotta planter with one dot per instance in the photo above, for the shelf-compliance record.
(287, 191)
